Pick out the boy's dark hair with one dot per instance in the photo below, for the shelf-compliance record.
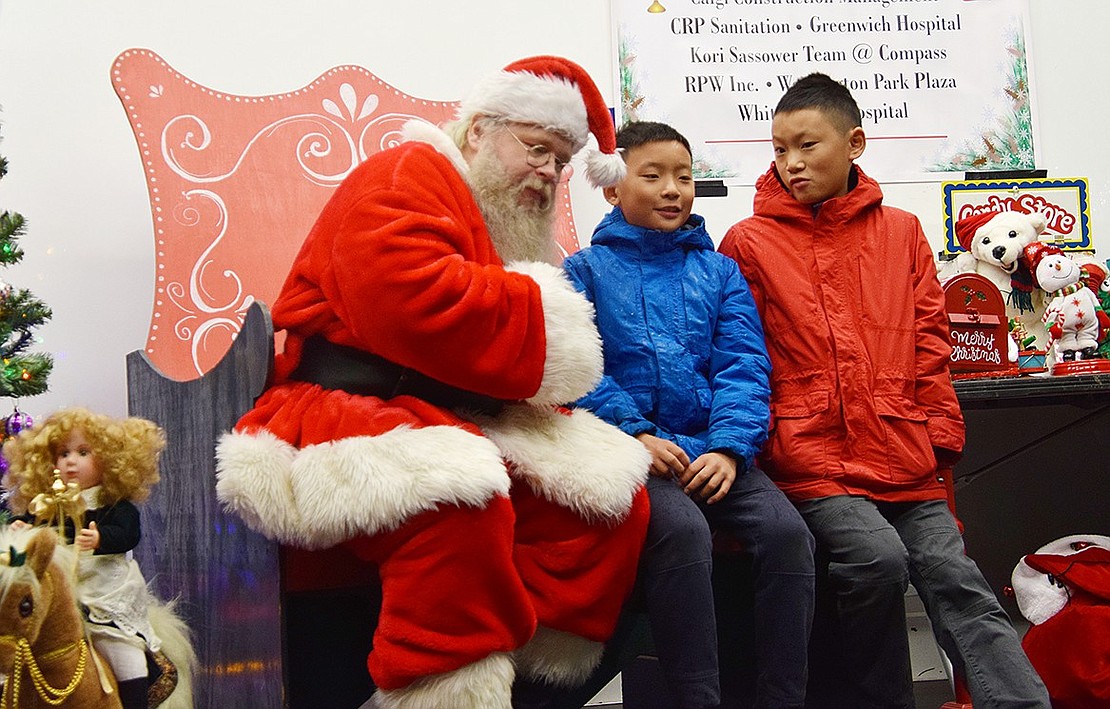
(821, 92)
(637, 133)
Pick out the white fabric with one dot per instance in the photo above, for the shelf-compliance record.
(113, 589)
(127, 658)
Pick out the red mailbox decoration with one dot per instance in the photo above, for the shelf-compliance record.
(977, 326)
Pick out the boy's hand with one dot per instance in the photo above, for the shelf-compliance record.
(946, 459)
(19, 524)
(88, 538)
(710, 476)
(667, 457)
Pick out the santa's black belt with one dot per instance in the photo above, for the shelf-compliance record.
(363, 373)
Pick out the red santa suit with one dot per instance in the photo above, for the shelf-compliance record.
(484, 526)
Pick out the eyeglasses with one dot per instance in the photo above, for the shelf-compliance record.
(539, 155)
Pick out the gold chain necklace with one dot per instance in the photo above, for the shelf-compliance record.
(48, 694)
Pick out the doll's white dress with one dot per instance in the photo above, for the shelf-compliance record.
(114, 592)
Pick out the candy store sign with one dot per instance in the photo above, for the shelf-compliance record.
(1063, 203)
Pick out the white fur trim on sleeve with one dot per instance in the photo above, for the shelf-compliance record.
(573, 364)
(327, 493)
(253, 480)
(576, 460)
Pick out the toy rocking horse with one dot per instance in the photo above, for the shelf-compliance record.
(45, 654)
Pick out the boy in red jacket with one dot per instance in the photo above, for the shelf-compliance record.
(863, 411)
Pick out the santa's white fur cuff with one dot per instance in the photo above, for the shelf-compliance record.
(328, 493)
(573, 365)
(575, 460)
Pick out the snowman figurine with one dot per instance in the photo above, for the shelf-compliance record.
(1074, 318)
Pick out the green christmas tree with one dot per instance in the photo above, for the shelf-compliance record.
(24, 373)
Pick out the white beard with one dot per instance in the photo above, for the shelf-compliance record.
(519, 232)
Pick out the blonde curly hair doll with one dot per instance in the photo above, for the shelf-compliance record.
(114, 462)
(126, 451)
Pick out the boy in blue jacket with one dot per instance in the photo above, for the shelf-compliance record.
(686, 372)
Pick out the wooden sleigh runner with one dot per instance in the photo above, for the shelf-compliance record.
(225, 576)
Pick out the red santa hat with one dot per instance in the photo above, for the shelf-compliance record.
(1033, 253)
(966, 227)
(558, 95)
(1038, 601)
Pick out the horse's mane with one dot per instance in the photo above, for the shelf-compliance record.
(17, 540)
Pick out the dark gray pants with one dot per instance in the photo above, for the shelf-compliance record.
(675, 579)
(874, 549)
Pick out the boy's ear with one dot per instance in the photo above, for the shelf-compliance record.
(857, 142)
(611, 195)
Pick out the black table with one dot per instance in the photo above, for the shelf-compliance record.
(1036, 467)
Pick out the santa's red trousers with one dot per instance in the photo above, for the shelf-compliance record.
(459, 583)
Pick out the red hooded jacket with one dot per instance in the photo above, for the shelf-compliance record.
(853, 315)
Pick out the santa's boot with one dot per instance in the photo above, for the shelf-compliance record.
(485, 684)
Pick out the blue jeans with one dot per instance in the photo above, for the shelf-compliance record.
(874, 549)
(675, 578)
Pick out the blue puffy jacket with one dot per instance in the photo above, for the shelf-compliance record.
(685, 358)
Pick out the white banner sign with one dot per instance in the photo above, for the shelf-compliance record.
(944, 85)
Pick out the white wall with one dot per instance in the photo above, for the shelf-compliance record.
(1071, 96)
(75, 174)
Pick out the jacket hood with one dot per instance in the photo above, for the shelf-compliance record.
(614, 231)
(772, 199)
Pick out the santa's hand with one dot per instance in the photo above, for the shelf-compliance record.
(88, 538)
(19, 524)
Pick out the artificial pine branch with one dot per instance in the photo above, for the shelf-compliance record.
(12, 226)
(21, 373)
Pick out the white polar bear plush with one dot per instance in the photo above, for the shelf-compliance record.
(994, 244)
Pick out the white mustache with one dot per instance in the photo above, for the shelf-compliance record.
(546, 189)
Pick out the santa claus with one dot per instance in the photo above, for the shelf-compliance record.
(415, 415)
